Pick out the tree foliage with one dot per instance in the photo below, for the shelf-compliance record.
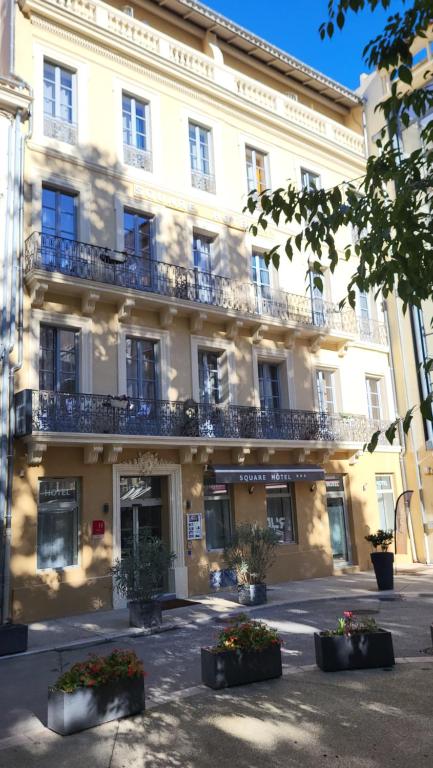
(390, 206)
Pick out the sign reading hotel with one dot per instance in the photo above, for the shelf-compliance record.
(276, 474)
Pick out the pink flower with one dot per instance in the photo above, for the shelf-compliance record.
(347, 614)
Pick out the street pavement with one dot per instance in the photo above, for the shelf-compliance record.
(362, 719)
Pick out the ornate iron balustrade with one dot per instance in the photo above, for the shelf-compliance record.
(372, 332)
(93, 262)
(56, 128)
(43, 411)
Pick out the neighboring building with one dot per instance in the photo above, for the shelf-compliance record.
(411, 333)
(168, 372)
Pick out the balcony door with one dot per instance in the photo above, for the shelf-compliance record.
(58, 378)
(318, 305)
(59, 228)
(142, 384)
(364, 316)
(137, 234)
(203, 278)
(261, 279)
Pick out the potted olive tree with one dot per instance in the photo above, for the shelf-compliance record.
(139, 576)
(250, 554)
(382, 560)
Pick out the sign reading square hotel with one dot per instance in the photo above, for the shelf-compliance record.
(272, 474)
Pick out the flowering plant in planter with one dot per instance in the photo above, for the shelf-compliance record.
(100, 670)
(349, 625)
(243, 634)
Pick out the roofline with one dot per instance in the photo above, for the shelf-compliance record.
(340, 92)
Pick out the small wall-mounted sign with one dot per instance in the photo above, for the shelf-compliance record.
(194, 526)
(98, 528)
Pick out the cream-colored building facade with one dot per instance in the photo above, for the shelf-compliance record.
(171, 381)
(411, 332)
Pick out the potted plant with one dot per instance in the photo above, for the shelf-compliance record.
(95, 691)
(383, 561)
(355, 644)
(250, 554)
(245, 652)
(139, 576)
(13, 638)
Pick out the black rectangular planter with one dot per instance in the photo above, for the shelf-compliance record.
(13, 638)
(222, 669)
(87, 707)
(335, 653)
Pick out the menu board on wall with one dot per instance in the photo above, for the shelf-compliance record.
(194, 526)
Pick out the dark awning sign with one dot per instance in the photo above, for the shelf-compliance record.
(273, 474)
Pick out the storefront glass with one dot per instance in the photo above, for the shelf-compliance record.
(58, 516)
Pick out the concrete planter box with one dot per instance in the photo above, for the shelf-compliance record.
(252, 594)
(383, 564)
(223, 669)
(87, 707)
(13, 638)
(335, 653)
(145, 615)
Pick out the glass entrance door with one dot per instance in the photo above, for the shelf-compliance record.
(337, 527)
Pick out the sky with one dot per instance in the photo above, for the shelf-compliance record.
(293, 26)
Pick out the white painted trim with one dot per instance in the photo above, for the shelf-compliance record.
(164, 370)
(272, 356)
(177, 538)
(41, 51)
(62, 320)
(223, 345)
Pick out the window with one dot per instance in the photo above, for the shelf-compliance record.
(58, 359)
(141, 368)
(59, 213)
(217, 516)
(261, 279)
(58, 519)
(269, 386)
(280, 504)
(317, 302)
(136, 132)
(256, 162)
(325, 391)
(365, 327)
(59, 103)
(200, 158)
(209, 376)
(374, 403)
(201, 246)
(137, 231)
(310, 180)
(385, 501)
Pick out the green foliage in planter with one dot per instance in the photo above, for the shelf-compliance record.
(99, 670)
(139, 575)
(246, 635)
(382, 539)
(251, 552)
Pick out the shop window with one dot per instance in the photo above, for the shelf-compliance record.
(280, 503)
(217, 516)
(58, 520)
(385, 501)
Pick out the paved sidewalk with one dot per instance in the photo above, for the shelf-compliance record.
(93, 628)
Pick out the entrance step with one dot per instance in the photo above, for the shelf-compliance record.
(339, 570)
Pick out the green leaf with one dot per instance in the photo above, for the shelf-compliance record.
(372, 445)
(407, 420)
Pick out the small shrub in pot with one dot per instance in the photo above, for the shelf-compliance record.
(139, 576)
(383, 561)
(250, 554)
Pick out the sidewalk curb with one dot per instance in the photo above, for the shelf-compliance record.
(102, 639)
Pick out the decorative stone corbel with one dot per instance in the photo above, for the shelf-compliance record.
(258, 334)
(37, 293)
(239, 454)
(342, 349)
(233, 328)
(88, 302)
(196, 322)
(316, 342)
(186, 454)
(125, 309)
(264, 455)
(325, 456)
(203, 454)
(92, 453)
(302, 455)
(112, 453)
(35, 453)
(355, 458)
(290, 339)
(167, 316)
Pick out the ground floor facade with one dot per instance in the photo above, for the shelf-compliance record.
(75, 509)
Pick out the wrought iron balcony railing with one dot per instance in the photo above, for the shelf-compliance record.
(92, 262)
(43, 411)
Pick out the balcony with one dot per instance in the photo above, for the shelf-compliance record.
(191, 290)
(42, 412)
